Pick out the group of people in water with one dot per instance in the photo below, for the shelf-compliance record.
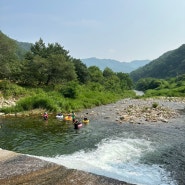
(69, 117)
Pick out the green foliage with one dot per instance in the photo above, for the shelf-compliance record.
(38, 101)
(8, 56)
(37, 98)
(47, 65)
(96, 74)
(47, 77)
(70, 90)
(9, 89)
(149, 83)
(170, 64)
(154, 87)
(125, 81)
(81, 71)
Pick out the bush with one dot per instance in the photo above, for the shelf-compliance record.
(70, 90)
(11, 89)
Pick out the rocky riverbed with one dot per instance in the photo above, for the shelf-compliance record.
(138, 111)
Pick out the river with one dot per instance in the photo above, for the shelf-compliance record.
(145, 154)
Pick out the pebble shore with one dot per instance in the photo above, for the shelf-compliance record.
(137, 111)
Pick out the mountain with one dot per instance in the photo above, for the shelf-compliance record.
(24, 45)
(9, 46)
(170, 64)
(115, 65)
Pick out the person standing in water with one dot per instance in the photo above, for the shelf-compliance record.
(45, 116)
(73, 116)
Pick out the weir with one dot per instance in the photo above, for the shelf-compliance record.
(22, 169)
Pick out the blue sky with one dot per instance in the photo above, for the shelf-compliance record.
(123, 30)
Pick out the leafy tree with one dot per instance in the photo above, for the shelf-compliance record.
(96, 74)
(39, 49)
(59, 70)
(148, 83)
(46, 65)
(81, 71)
(35, 71)
(112, 84)
(125, 81)
(108, 73)
(57, 49)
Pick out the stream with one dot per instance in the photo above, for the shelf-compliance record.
(145, 154)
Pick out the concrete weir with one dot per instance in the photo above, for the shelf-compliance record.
(19, 169)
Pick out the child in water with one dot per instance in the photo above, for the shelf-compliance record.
(45, 116)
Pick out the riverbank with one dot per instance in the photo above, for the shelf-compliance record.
(137, 111)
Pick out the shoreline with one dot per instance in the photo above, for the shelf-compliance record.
(137, 111)
(129, 110)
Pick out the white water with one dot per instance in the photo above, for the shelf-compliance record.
(119, 159)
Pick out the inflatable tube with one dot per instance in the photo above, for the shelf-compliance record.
(68, 118)
(77, 125)
(59, 116)
(85, 121)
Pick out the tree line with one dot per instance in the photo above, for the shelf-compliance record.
(50, 65)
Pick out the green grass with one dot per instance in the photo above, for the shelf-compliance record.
(54, 101)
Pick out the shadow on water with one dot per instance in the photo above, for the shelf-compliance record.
(54, 137)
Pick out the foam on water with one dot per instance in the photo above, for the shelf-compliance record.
(117, 158)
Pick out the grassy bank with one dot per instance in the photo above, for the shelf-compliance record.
(54, 100)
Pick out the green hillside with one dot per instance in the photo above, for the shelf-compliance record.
(170, 64)
(12, 48)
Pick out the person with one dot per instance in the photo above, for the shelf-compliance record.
(59, 114)
(76, 122)
(73, 116)
(45, 116)
(85, 118)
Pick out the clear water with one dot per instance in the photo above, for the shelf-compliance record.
(140, 154)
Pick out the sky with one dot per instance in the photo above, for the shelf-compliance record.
(123, 30)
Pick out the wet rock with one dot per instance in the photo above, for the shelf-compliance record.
(21, 169)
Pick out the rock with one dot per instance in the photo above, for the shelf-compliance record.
(21, 169)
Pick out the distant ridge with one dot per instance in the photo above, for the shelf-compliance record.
(170, 64)
(115, 65)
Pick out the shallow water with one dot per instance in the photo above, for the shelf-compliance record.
(140, 154)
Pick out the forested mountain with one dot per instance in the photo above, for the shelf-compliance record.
(115, 65)
(13, 47)
(24, 45)
(170, 64)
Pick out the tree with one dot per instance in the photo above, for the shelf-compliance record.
(112, 84)
(81, 71)
(96, 74)
(125, 81)
(108, 72)
(48, 65)
(39, 49)
(59, 70)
